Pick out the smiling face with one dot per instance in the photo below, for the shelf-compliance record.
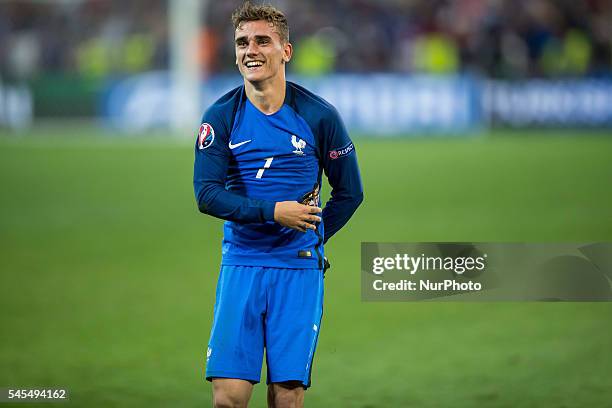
(260, 53)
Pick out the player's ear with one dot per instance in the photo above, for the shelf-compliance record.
(287, 52)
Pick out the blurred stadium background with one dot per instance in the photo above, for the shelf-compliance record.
(474, 120)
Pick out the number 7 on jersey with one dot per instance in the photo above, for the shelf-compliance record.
(266, 166)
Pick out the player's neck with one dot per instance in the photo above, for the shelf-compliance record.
(267, 96)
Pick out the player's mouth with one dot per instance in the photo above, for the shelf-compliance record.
(253, 65)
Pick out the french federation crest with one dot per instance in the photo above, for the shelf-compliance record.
(206, 136)
(299, 145)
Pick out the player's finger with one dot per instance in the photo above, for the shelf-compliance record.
(314, 210)
(313, 218)
(306, 226)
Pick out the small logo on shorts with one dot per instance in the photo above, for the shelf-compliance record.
(314, 327)
(208, 353)
(304, 254)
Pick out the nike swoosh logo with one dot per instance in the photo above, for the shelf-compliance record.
(233, 146)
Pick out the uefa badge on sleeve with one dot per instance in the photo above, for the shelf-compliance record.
(206, 136)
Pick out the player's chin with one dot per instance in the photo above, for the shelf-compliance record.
(255, 76)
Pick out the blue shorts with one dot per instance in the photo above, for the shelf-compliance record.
(256, 307)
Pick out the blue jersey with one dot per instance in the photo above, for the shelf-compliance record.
(246, 161)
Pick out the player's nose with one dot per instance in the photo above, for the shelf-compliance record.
(252, 48)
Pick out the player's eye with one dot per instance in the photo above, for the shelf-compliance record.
(263, 41)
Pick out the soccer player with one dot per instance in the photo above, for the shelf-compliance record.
(259, 158)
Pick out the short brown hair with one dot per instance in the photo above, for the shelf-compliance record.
(253, 12)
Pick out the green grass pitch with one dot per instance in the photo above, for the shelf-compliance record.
(108, 274)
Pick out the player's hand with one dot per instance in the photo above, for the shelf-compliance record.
(298, 216)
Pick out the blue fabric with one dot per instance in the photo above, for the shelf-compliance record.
(256, 307)
(246, 161)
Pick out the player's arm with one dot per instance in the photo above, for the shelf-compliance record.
(212, 156)
(340, 165)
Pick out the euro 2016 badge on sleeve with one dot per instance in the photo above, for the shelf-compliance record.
(206, 136)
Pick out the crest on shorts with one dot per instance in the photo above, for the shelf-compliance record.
(206, 136)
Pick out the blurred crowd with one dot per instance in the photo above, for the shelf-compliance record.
(92, 38)
(497, 38)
